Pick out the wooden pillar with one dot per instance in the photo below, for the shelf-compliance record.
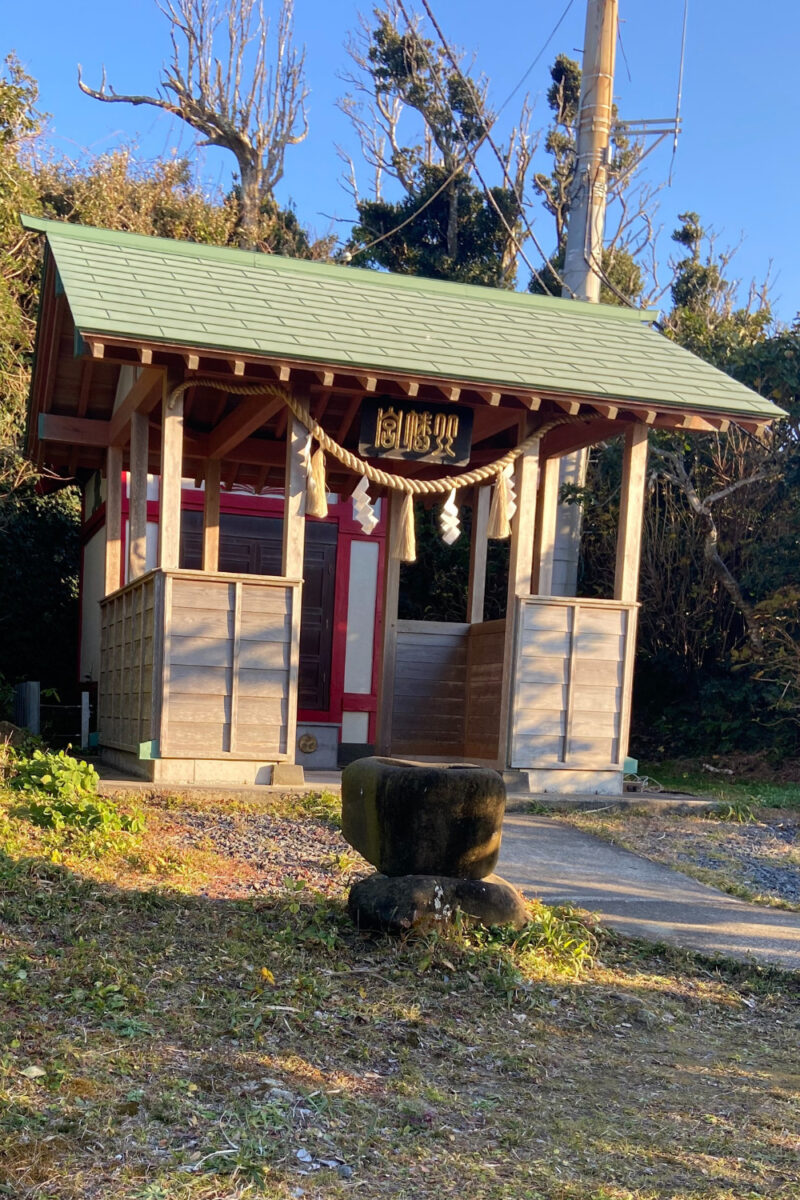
(211, 515)
(631, 514)
(547, 515)
(169, 516)
(520, 570)
(391, 593)
(137, 508)
(294, 526)
(113, 518)
(478, 547)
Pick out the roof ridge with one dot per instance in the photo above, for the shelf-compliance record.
(350, 275)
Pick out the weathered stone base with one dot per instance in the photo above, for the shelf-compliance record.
(214, 771)
(563, 782)
(395, 904)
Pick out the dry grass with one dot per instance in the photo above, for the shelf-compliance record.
(199, 1034)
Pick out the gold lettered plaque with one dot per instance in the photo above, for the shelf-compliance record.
(435, 433)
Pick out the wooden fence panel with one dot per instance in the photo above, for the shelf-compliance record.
(227, 690)
(484, 685)
(126, 689)
(430, 679)
(573, 667)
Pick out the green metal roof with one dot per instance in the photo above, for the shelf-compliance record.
(134, 287)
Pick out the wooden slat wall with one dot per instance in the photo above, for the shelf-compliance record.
(127, 653)
(227, 687)
(430, 680)
(571, 682)
(484, 683)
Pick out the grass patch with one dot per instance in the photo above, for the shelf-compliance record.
(689, 777)
(170, 1028)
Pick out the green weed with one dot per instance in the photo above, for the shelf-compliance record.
(737, 809)
(325, 806)
(53, 773)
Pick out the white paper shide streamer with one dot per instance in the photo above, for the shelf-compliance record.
(363, 511)
(449, 523)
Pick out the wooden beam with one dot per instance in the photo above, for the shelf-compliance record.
(81, 431)
(755, 427)
(692, 421)
(97, 349)
(569, 406)
(520, 567)
(348, 418)
(294, 525)
(210, 560)
(545, 543)
(631, 514)
(368, 382)
(478, 551)
(408, 387)
(169, 517)
(295, 501)
(145, 356)
(531, 402)
(54, 307)
(326, 378)
(192, 361)
(282, 423)
(609, 411)
(137, 529)
(449, 391)
(85, 388)
(144, 395)
(113, 560)
(248, 416)
(492, 398)
(282, 373)
(237, 366)
(391, 592)
(566, 438)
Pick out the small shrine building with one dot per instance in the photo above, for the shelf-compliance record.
(249, 428)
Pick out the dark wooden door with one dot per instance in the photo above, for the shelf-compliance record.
(252, 546)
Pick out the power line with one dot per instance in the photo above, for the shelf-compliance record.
(622, 50)
(551, 35)
(679, 96)
(391, 232)
(509, 183)
(470, 154)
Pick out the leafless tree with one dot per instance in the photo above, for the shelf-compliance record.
(246, 99)
(672, 467)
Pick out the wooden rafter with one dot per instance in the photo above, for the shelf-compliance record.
(143, 396)
(348, 418)
(71, 431)
(248, 416)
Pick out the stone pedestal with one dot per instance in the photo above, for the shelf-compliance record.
(433, 832)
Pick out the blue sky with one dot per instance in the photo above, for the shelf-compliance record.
(737, 160)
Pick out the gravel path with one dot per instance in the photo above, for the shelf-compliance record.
(281, 852)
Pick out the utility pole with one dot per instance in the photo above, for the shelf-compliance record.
(587, 210)
(584, 250)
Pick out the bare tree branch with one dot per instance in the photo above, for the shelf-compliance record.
(674, 470)
(238, 100)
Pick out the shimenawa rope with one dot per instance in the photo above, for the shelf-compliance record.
(404, 545)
